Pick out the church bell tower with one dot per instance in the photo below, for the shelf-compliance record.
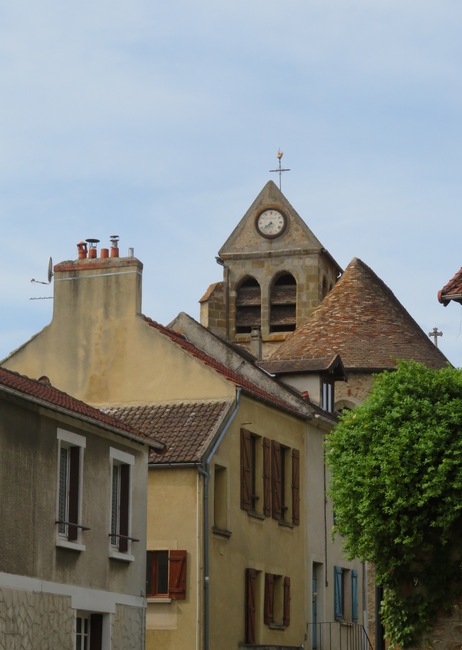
(275, 272)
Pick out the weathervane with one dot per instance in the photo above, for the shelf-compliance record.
(434, 335)
(280, 169)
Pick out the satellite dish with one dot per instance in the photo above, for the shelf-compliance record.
(50, 270)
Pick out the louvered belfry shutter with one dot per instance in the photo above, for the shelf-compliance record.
(286, 615)
(266, 477)
(246, 478)
(250, 608)
(295, 487)
(177, 574)
(276, 484)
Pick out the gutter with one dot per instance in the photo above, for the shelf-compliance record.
(204, 470)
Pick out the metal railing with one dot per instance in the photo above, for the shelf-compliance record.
(338, 635)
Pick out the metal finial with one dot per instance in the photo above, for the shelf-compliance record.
(279, 170)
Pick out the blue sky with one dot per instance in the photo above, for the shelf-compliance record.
(159, 122)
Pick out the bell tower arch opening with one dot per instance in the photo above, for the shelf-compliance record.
(283, 303)
(248, 306)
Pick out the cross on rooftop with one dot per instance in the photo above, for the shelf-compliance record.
(434, 335)
(279, 170)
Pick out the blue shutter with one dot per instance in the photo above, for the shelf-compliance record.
(338, 593)
(354, 596)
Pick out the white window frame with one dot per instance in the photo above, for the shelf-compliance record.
(66, 440)
(119, 458)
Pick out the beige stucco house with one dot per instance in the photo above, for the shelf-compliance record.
(238, 537)
(72, 539)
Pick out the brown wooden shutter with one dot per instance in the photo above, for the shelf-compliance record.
(266, 477)
(177, 574)
(276, 480)
(74, 478)
(250, 607)
(286, 616)
(268, 615)
(246, 476)
(124, 512)
(96, 631)
(295, 487)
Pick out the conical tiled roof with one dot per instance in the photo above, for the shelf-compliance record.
(363, 321)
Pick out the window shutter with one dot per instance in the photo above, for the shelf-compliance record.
(354, 596)
(124, 507)
(269, 598)
(295, 487)
(276, 481)
(74, 476)
(250, 584)
(96, 631)
(246, 485)
(266, 477)
(177, 574)
(149, 581)
(286, 615)
(338, 593)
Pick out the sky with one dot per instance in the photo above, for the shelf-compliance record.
(160, 121)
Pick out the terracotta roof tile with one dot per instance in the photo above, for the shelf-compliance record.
(452, 290)
(186, 428)
(238, 380)
(54, 398)
(364, 322)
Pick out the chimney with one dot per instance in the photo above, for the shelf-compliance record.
(95, 289)
(255, 342)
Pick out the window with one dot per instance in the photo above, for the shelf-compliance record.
(338, 593)
(251, 460)
(272, 471)
(354, 596)
(166, 574)
(120, 500)
(277, 600)
(283, 304)
(327, 395)
(220, 500)
(70, 471)
(88, 631)
(248, 306)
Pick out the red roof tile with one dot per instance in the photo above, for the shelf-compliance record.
(56, 399)
(362, 321)
(452, 290)
(186, 428)
(238, 380)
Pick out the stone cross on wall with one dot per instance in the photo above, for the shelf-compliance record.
(434, 335)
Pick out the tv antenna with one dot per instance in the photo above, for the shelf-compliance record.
(49, 278)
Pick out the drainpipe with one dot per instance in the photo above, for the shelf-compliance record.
(205, 472)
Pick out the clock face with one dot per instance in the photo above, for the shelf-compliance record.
(270, 223)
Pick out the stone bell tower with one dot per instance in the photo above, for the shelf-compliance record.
(275, 272)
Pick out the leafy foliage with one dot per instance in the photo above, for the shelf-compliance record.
(396, 464)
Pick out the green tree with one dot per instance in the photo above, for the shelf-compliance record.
(396, 466)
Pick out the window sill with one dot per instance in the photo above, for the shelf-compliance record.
(73, 546)
(158, 600)
(285, 524)
(277, 626)
(256, 515)
(221, 532)
(124, 557)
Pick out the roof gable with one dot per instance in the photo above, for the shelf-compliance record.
(363, 321)
(297, 237)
